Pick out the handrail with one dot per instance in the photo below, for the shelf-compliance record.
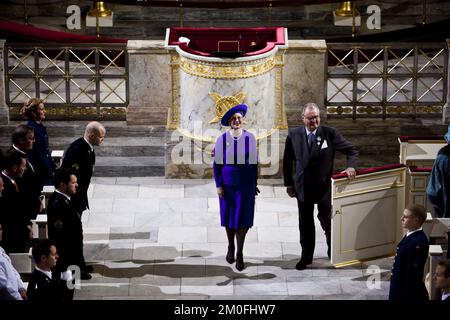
(228, 4)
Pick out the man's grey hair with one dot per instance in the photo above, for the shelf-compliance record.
(310, 106)
(94, 127)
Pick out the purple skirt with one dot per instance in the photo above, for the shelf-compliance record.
(237, 207)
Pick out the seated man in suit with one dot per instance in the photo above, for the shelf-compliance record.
(409, 263)
(11, 286)
(442, 279)
(46, 284)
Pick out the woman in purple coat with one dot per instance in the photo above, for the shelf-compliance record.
(236, 172)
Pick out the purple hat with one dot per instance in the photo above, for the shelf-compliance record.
(240, 108)
(447, 135)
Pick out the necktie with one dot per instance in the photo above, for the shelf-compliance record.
(310, 140)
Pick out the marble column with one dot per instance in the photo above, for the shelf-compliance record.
(149, 82)
(4, 110)
(304, 77)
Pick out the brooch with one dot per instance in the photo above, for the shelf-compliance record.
(318, 140)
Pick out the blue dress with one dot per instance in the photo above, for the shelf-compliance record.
(40, 156)
(236, 171)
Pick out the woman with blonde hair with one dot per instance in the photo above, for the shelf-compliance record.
(40, 155)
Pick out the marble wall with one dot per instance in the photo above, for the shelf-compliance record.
(304, 77)
(149, 82)
(197, 105)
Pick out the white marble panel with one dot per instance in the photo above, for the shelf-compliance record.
(271, 251)
(265, 191)
(313, 286)
(277, 205)
(280, 192)
(201, 219)
(288, 219)
(143, 205)
(150, 85)
(291, 250)
(275, 286)
(207, 286)
(124, 219)
(213, 204)
(265, 219)
(157, 219)
(278, 234)
(100, 206)
(103, 180)
(204, 190)
(197, 105)
(161, 191)
(103, 191)
(183, 205)
(140, 180)
(182, 234)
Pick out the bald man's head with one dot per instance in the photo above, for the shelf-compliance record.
(95, 133)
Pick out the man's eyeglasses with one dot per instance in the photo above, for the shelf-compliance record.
(311, 118)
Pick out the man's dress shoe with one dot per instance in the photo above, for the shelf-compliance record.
(301, 265)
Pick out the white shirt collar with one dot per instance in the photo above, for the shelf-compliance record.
(90, 145)
(11, 179)
(411, 232)
(445, 295)
(47, 273)
(308, 132)
(65, 195)
(17, 149)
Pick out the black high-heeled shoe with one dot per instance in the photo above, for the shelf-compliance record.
(240, 262)
(230, 255)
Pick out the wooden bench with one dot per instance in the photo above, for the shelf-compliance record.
(23, 262)
(420, 151)
(416, 187)
(57, 156)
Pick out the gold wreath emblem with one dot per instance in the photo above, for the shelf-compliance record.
(224, 103)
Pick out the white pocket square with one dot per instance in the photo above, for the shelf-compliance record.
(324, 144)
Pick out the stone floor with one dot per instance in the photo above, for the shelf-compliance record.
(151, 238)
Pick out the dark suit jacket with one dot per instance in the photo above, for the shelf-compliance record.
(65, 228)
(30, 189)
(407, 271)
(81, 159)
(311, 171)
(13, 218)
(42, 288)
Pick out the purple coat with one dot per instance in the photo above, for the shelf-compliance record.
(236, 171)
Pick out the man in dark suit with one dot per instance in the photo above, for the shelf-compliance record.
(442, 279)
(30, 187)
(412, 252)
(307, 168)
(45, 283)
(80, 157)
(13, 217)
(64, 223)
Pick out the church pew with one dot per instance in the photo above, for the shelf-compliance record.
(419, 151)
